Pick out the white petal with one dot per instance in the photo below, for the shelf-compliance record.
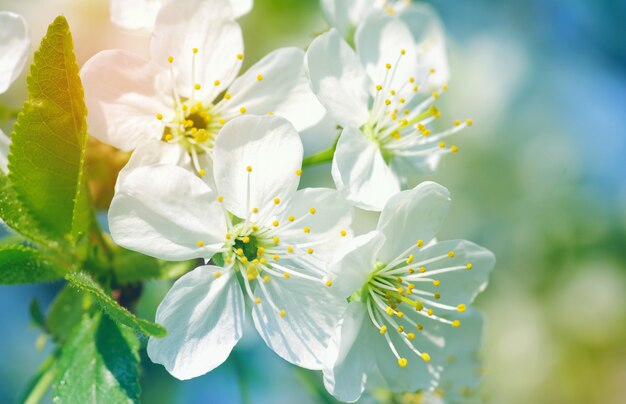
(352, 267)
(311, 314)
(417, 375)
(207, 26)
(345, 15)
(379, 41)
(151, 153)
(241, 7)
(338, 79)
(429, 36)
(5, 143)
(14, 47)
(333, 214)
(461, 286)
(360, 172)
(283, 90)
(462, 370)
(408, 168)
(204, 317)
(164, 211)
(412, 215)
(135, 15)
(124, 93)
(350, 355)
(273, 150)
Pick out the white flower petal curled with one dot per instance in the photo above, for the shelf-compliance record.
(166, 212)
(14, 47)
(5, 143)
(204, 316)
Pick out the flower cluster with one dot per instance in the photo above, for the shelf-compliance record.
(215, 172)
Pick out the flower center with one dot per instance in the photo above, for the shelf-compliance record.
(194, 127)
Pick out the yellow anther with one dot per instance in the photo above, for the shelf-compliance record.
(411, 271)
(329, 283)
(290, 249)
(276, 240)
(197, 86)
(244, 260)
(392, 92)
(255, 261)
(270, 113)
(435, 95)
(411, 79)
(457, 122)
(249, 169)
(170, 59)
(309, 251)
(168, 137)
(260, 251)
(240, 56)
(437, 296)
(307, 229)
(245, 239)
(454, 149)
(379, 87)
(275, 223)
(461, 308)
(343, 233)
(159, 116)
(221, 122)
(468, 266)
(444, 87)
(387, 102)
(291, 218)
(383, 329)
(228, 236)
(266, 278)
(469, 122)
(228, 260)
(259, 77)
(262, 260)
(456, 323)
(217, 83)
(239, 251)
(276, 201)
(400, 314)
(257, 300)
(410, 335)
(242, 110)
(426, 357)
(436, 282)
(430, 312)
(415, 89)
(298, 172)
(400, 328)
(255, 210)
(426, 132)
(410, 259)
(388, 66)
(200, 243)
(450, 254)
(389, 311)
(442, 145)
(420, 327)
(251, 276)
(400, 289)
(402, 362)
(432, 70)
(419, 243)
(286, 275)
(275, 257)
(422, 269)
(217, 274)
(282, 313)
(403, 52)
(220, 198)
(312, 211)
(195, 50)
(402, 100)
(201, 172)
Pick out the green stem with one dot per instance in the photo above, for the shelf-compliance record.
(323, 156)
(242, 377)
(40, 383)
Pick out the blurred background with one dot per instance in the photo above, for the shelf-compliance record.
(539, 180)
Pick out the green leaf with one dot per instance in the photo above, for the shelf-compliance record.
(130, 267)
(118, 313)
(19, 264)
(98, 364)
(47, 157)
(36, 315)
(18, 218)
(66, 312)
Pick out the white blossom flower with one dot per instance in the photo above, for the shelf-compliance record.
(171, 108)
(405, 289)
(383, 96)
(274, 242)
(140, 15)
(14, 48)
